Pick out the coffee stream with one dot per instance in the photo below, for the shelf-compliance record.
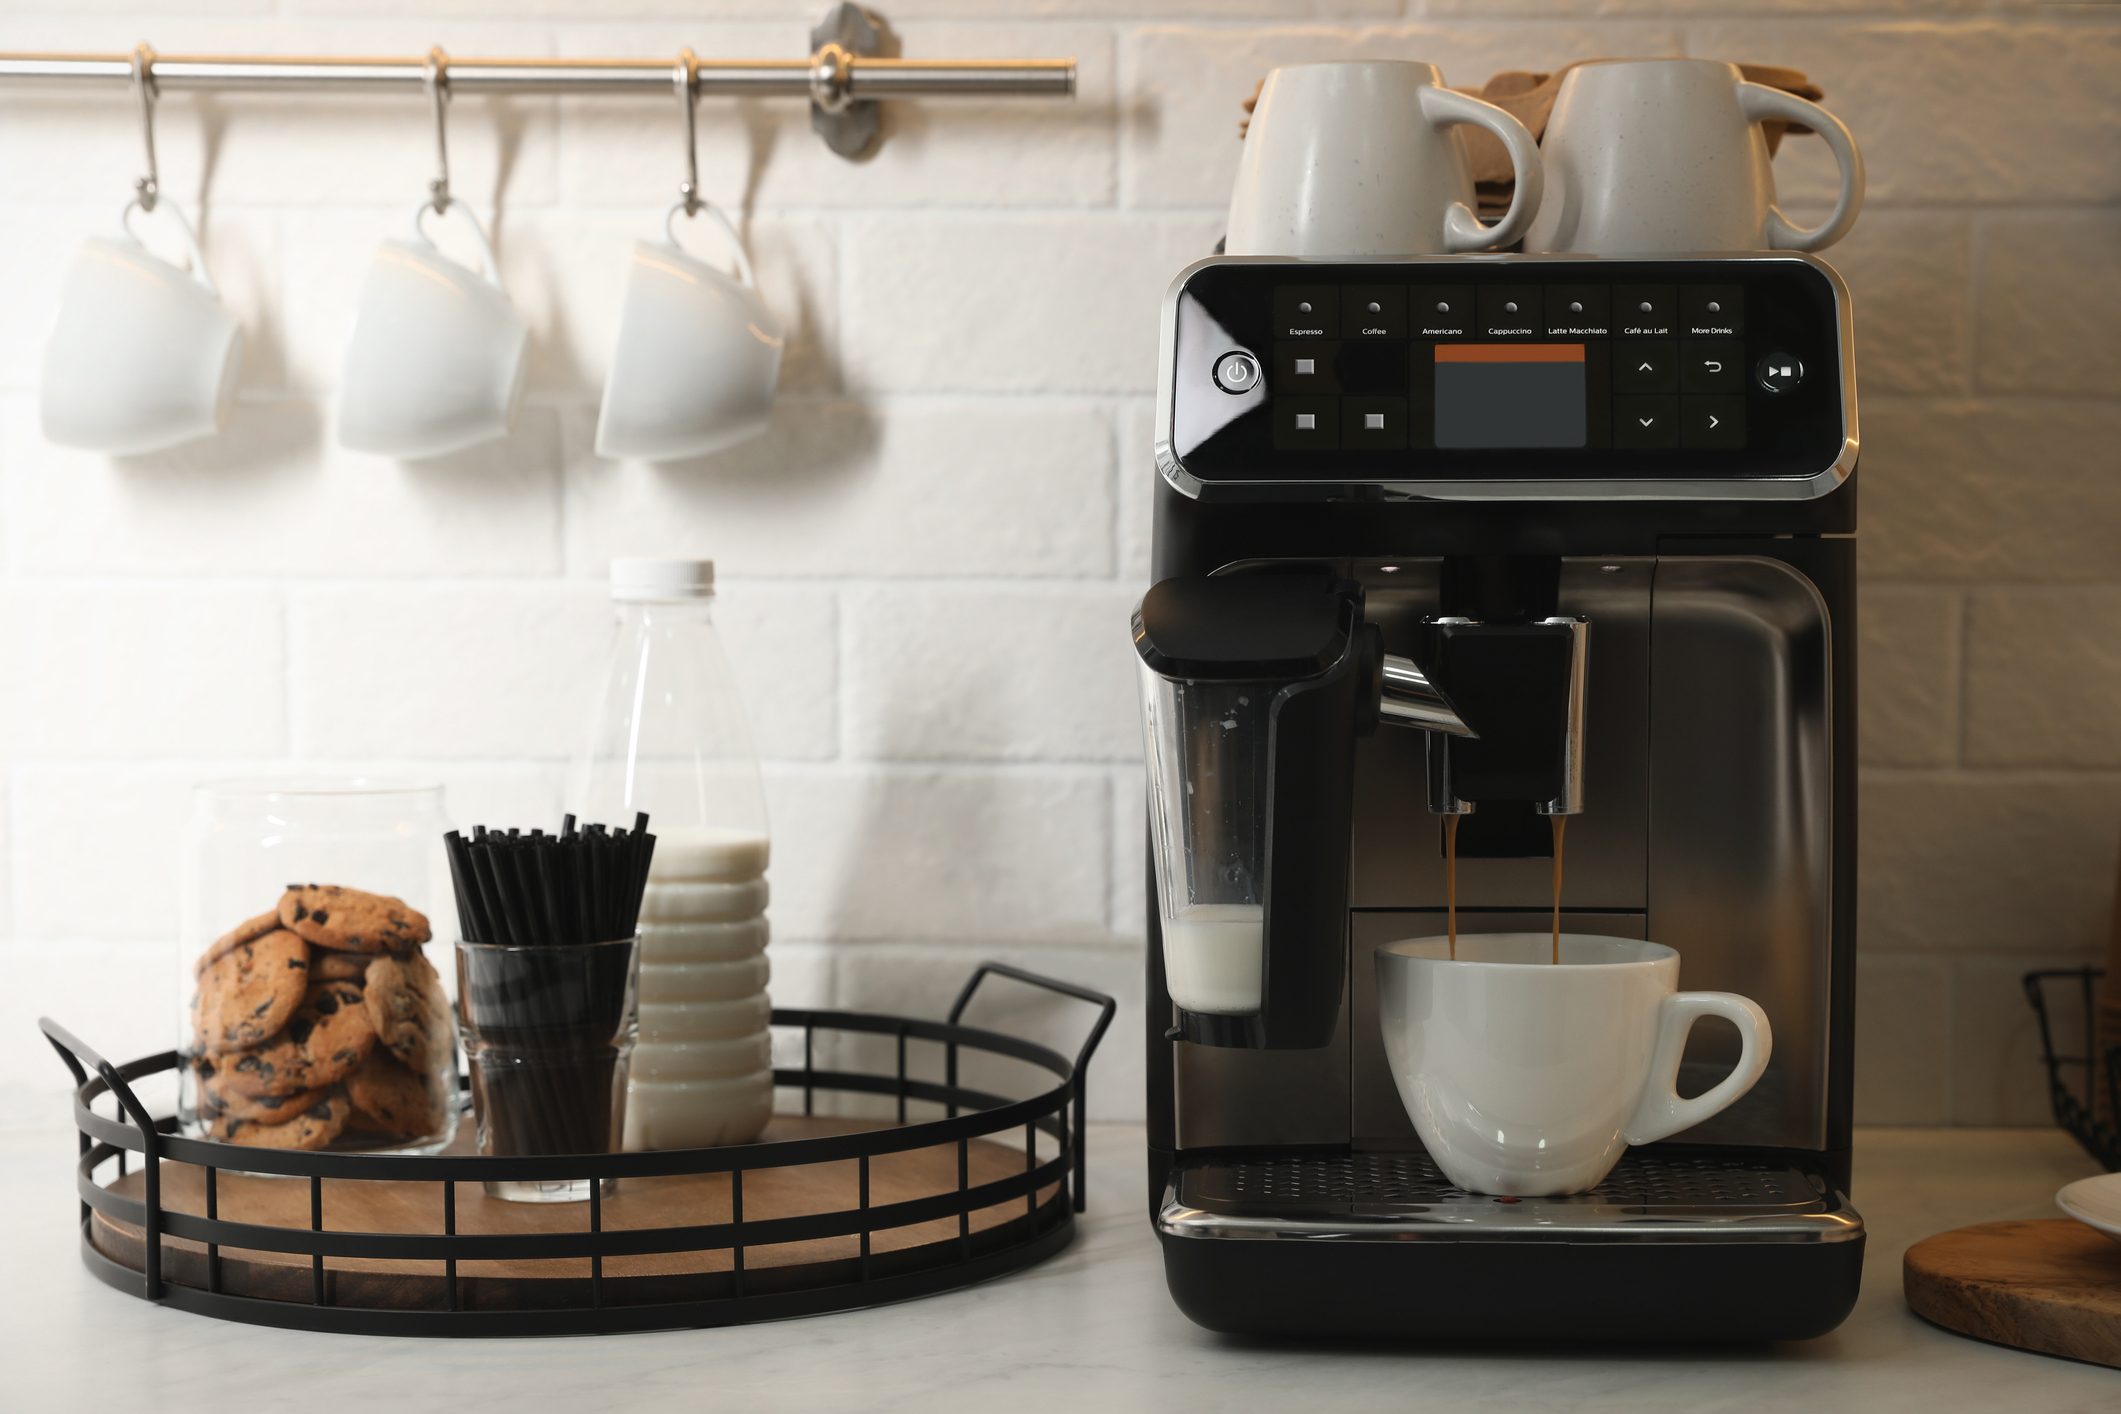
(1560, 821)
(1450, 883)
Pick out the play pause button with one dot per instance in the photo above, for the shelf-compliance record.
(1645, 424)
(1712, 424)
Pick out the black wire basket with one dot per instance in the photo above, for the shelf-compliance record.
(2085, 1089)
(157, 1228)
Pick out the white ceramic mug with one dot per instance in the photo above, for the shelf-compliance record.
(1529, 1078)
(438, 352)
(1666, 157)
(697, 356)
(143, 355)
(1345, 160)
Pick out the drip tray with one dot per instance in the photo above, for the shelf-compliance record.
(1650, 1197)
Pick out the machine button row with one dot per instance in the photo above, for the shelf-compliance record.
(1344, 424)
(1707, 423)
(1447, 312)
(1690, 366)
(1652, 423)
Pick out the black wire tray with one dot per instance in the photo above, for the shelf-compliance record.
(726, 1271)
(2074, 1081)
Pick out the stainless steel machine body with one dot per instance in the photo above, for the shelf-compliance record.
(1716, 793)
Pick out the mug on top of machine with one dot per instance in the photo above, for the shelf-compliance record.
(1667, 157)
(1358, 159)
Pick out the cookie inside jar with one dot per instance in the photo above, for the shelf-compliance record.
(312, 1017)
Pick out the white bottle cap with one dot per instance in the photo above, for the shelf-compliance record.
(662, 579)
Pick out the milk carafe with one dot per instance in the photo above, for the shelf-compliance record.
(669, 737)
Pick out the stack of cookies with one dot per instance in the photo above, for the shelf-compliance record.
(319, 1023)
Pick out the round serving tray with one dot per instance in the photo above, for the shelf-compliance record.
(822, 1214)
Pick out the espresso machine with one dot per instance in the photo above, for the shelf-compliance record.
(1498, 540)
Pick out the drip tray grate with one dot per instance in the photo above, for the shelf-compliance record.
(1649, 1195)
(1639, 1181)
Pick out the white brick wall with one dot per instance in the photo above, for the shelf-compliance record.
(961, 459)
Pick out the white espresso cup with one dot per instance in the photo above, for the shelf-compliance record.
(1344, 160)
(1666, 157)
(697, 356)
(143, 355)
(1530, 1078)
(438, 352)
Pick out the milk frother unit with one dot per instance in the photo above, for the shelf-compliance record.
(1588, 527)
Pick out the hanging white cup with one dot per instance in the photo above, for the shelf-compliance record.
(697, 357)
(143, 354)
(438, 353)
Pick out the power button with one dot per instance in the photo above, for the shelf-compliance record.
(1237, 373)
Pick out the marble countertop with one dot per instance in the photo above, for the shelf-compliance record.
(1092, 1329)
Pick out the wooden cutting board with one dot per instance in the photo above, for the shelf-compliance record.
(638, 1203)
(2050, 1285)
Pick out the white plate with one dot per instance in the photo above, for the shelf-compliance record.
(2095, 1202)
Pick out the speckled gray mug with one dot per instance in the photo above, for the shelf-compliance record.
(1666, 157)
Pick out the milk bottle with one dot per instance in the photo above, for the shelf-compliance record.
(669, 737)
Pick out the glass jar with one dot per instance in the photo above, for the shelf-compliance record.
(339, 885)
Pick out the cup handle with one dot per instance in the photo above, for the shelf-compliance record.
(1462, 230)
(713, 213)
(488, 266)
(1661, 1111)
(1760, 103)
(192, 252)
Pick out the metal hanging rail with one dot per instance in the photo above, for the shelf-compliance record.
(866, 78)
(844, 77)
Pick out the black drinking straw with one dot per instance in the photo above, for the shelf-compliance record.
(533, 894)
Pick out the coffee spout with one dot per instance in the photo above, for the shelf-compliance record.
(1524, 683)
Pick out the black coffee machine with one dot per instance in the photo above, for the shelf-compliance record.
(1587, 528)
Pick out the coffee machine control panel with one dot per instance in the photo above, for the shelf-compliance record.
(1509, 377)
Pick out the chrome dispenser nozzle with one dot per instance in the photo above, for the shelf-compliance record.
(1569, 800)
(1408, 699)
(1524, 683)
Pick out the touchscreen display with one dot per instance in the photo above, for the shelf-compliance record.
(1510, 395)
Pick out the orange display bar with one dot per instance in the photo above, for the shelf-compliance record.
(1509, 353)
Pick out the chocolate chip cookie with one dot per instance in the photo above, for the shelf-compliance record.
(313, 1128)
(249, 992)
(410, 1011)
(218, 1100)
(326, 1038)
(388, 1097)
(248, 931)
(328, 966)
(349, 920)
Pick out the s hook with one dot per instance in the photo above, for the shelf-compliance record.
(437, 79)
(148, 186)
(685, 75)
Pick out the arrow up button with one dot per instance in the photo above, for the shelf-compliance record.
(1645, 366)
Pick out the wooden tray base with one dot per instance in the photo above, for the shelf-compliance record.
(414, 1207)
(2051, 1285)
